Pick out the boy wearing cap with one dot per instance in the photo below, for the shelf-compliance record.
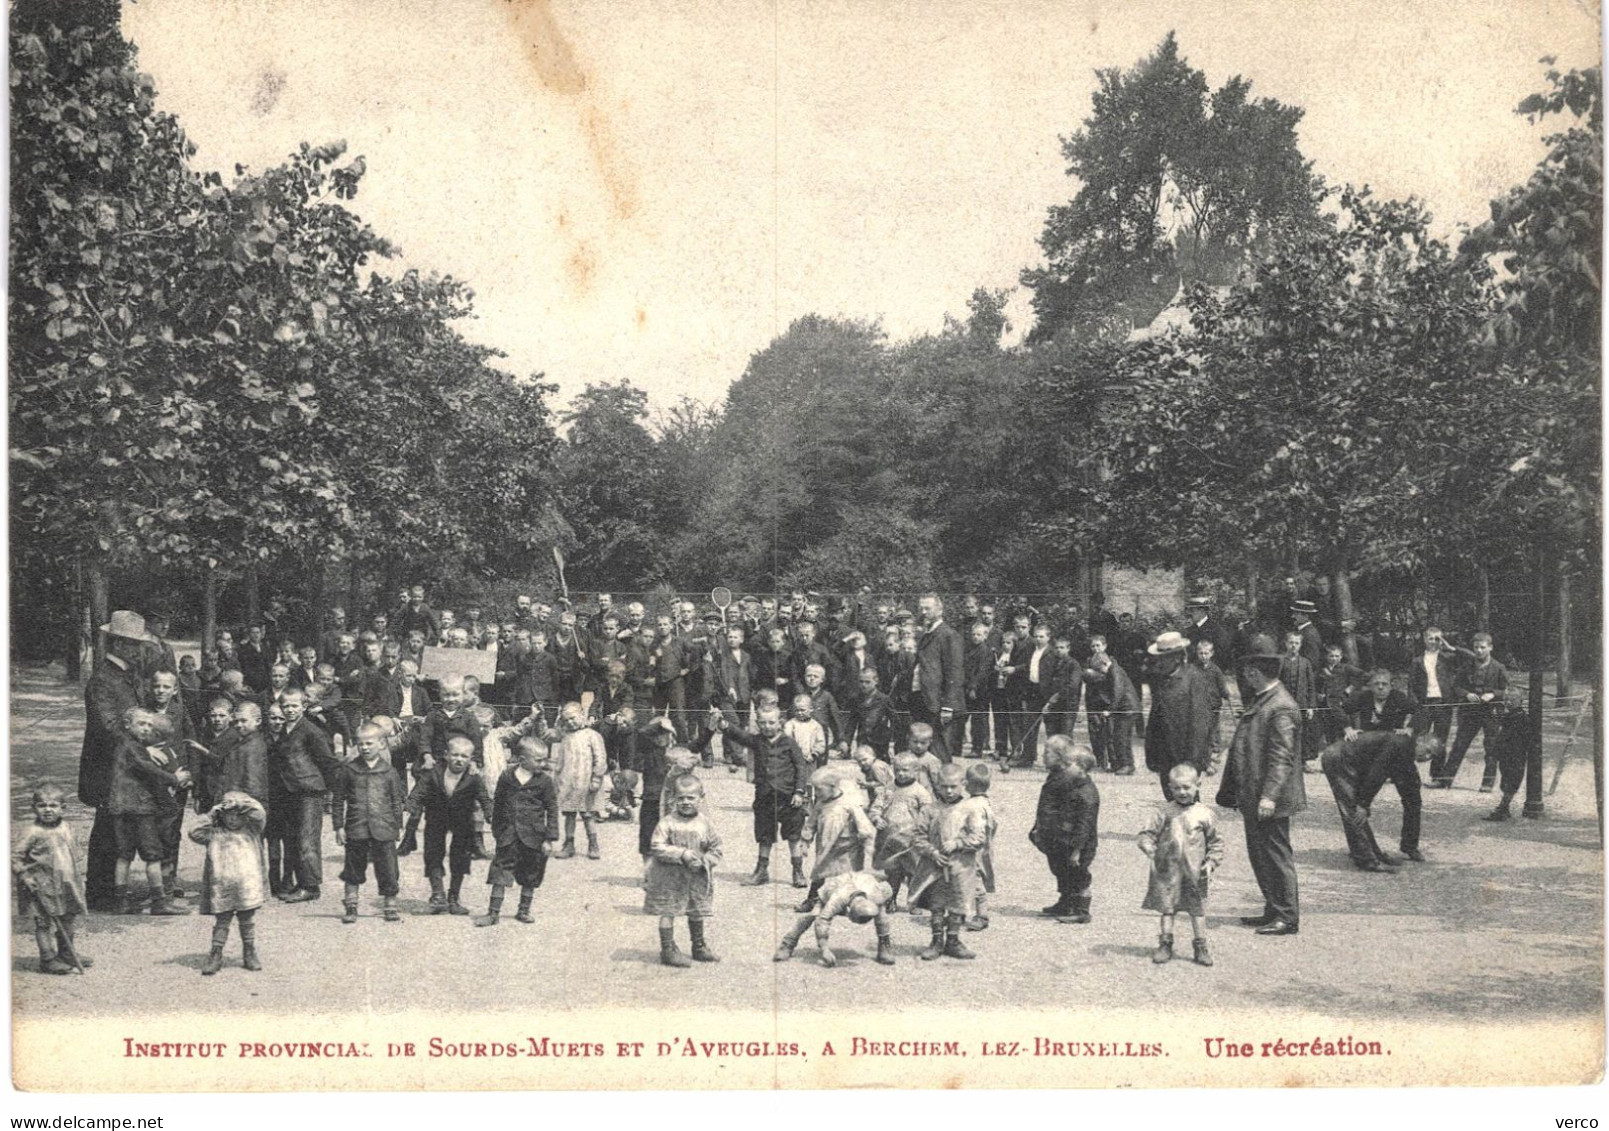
(859, 896)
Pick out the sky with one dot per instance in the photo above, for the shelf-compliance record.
(654, 191)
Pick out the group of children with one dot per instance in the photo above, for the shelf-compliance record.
(875, 829)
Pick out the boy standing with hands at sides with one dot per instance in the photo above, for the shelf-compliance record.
(682, 858)
(525, 822)
(234, 881)
(1185, 849)
(1201, 656)
(448, 797)
(977, 800)
(47, 864)
(950, 879)
(1066, 826)
(780, 778)
(367, 816)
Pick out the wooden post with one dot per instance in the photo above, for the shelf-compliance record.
(1533, 759)
(77, 627)
(100, 605)
(1562, 687)
(1341, 583)
(209, 606)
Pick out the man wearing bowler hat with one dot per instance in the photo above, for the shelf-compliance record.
(1263, 779)
(1205, 625)
(1184, 709)
(113, 688)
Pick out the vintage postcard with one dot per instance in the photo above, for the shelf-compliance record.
(787, 545)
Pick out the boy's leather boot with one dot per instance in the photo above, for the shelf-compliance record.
(761, 876)
(955, 948)
(885, 951)
(669, 954)
(248, 942)
(935, 946)
(494, 910)
(1164, 950)
(567, 851)
(701, 950)
(524, 913)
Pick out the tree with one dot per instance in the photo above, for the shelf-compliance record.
(609, 481)
(1175, 187)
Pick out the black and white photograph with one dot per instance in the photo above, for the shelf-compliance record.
(569, 545)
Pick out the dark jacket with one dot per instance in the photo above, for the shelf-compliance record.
(1297, 676)
(867, 722)
(301, 762)
(1447, 676)
(241, 765)
(438, 728)
(778, 764)
(1112, 691)
(1264, 757)
(1398, 710)
(1184, 715)
(455, 810)
(525, 814)
(941, 660)
(1066, 822)
(728, 682)
(111, 690)
(139, 784)
(368, 801)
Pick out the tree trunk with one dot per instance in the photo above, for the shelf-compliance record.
(209, 607)
(1251, 593)
(100, 604)
(1533, 760)
(78, 627)
(254, 601)
(314, 625)
(354, 592)
(1484, 612)
(1562, 687)
(1341, 583)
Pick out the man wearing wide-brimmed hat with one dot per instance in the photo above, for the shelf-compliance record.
(113, 688)
(1263, 779)
(1184, 709)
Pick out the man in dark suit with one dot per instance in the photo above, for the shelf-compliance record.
(256, 656)
(1184, 710)
(1263, 779)
(1036, 680)
(1302, 613)
(112, 689)
(939, 678)
(1204, 625)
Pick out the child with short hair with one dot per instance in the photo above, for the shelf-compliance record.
(580, 762)
(681, 872)
(900, 815)
(780, 773)
(145, 778)
(919, 745)
(823, 705)
(47, 864)
(451, 716)
(861, 897)
(1066, 826)
(1185, 848)
(841, 832)
(950, 881)
(806, 730)
(525, 823)
(977, 786)
(448, 797)
(366, 813)
(876, 777)
(234, 879)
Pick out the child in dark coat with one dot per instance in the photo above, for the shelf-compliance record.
(447, 797)
(525, 823)
(1066, 826)
(367, 815)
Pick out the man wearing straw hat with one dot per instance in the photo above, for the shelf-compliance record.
(1184, 710)
(113, 688)
(1263, 779)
